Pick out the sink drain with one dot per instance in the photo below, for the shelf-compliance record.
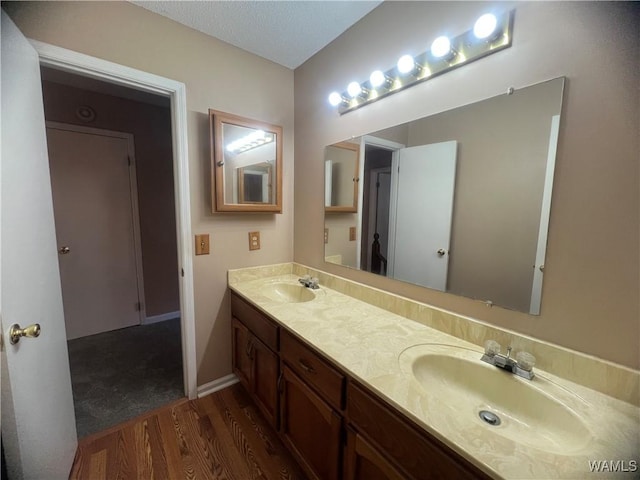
(490, 417)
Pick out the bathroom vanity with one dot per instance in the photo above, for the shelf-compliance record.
(318, 402)
(359, 387)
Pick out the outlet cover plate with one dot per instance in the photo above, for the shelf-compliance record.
(254, 240)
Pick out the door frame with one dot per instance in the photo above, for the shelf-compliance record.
(88, 66)
(133, 189)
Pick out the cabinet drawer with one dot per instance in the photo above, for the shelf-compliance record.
(325, 379)
(263, 328)
(421, 456)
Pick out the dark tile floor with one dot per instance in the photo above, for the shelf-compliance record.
(121, 374)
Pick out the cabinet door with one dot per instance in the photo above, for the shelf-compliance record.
(264, 376)
(310, 428)
(363, 462)
(241, 361)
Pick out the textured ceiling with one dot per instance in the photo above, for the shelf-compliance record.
(285, 32)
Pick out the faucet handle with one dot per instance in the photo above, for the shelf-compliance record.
(525, 360)
(491, 348)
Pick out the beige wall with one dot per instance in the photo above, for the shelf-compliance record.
(151, 128)
(216, 76)
(338, 225)
(590, 299)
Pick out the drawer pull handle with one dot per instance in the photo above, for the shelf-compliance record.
(305, 367)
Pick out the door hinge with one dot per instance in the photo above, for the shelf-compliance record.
(182, 272)
(138, 306)
(129, 162)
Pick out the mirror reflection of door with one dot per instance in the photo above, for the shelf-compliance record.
(254, 183)
(425, 192)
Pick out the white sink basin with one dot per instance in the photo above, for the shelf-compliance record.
(534, 412)
(287, 292)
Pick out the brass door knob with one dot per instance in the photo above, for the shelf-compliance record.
(64, 250)
(16, 333)
(441, 252)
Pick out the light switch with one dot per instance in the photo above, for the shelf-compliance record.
(352, 234)
(202, 244)
(254, 240)
(326, 235)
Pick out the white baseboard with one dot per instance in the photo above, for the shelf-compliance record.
(216, 385)
(162, 317)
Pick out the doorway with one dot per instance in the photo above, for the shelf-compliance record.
(111, 165)
(375, 209)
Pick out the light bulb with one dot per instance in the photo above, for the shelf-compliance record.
(354, 89)
(440, 47)
(377, 78)
(406, 64)
(335, 99)
(485, 26)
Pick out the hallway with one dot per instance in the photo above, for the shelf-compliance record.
(122, 374)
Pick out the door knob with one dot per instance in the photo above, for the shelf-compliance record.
(15, 332)
(441, 252)
(64, 250)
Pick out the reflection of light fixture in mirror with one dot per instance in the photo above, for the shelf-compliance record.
(248, 142)
(446, 53)
(485, 27)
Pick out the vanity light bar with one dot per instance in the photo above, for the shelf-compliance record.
(490, 34)
(253, 140)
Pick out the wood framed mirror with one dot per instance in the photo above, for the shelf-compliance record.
(246, 164)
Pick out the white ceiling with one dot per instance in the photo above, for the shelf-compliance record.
(285, 32)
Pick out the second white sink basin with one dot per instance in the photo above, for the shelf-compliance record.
(287, 292)
(534, 412)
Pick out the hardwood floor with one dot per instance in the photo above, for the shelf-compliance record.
(220, 436)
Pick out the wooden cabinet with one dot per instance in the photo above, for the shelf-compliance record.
(254, 359)
(385, 438)
(362, 461)
(310, 428)
(312, 397)
(240, 357)
(313, 370)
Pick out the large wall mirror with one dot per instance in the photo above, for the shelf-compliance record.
(246, 164)
(458, 201)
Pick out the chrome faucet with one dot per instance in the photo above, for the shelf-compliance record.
(309, 282)
(521, 366)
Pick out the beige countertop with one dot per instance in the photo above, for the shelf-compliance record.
(374, 346)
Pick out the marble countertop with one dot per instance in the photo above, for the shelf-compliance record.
(368, 343)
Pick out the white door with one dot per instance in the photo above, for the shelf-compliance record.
(426, 181)
(38, 423)
(95, 216)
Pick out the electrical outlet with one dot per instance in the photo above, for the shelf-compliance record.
(254, 240)
(352, 234)
(326, 235)
(202, 244)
